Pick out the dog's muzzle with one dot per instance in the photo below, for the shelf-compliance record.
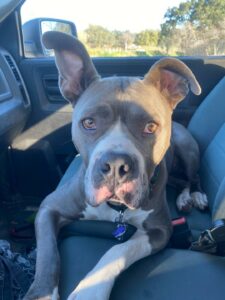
(115, 177)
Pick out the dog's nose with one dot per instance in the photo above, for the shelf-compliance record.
(118, 165)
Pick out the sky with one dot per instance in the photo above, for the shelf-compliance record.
(133, 15)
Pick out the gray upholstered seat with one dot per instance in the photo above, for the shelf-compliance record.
(169, 275)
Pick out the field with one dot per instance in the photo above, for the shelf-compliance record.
(116, 52)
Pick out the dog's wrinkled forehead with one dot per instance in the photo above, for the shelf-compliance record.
(123, 98)
(121, 108)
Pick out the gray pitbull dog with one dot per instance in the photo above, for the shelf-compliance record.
(122, 128)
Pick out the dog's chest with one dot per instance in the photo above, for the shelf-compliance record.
(105, 213)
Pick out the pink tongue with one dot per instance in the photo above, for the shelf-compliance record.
(102, 194)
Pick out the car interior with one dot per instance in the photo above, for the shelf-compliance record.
(37, 155)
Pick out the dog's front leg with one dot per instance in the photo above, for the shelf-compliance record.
(47, 265)
(98, 284)
(57, 210)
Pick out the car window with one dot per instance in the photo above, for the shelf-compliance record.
(143, 28)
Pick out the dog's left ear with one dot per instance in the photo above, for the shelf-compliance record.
(173, 79)
(76, 69)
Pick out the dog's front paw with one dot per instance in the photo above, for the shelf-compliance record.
(87, 290)
(199, 200)
(38, 298)
(82, 295)
(39, 294)
(184, 201)
(88, 294)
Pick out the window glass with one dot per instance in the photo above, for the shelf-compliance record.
(138, 28)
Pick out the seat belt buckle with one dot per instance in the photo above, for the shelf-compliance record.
(181, 237)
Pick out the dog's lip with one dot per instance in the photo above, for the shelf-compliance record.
(117, 201)
(113, 202)
(115, 198)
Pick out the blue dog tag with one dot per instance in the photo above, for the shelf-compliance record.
(119, 231)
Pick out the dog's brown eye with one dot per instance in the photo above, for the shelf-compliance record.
(150, 128)
(89, 124)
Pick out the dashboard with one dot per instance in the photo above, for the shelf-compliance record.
(14, 100)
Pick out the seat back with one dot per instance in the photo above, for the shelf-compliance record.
(212, 170)
(219, 206)
(208, 127)
(209, 117)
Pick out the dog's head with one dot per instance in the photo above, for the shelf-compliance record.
(121, 125)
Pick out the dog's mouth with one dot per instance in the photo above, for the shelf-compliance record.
(124, 194)
(124, 198)
(114, 198)
(116, 201)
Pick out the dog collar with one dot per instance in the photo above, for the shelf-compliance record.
(119, 207)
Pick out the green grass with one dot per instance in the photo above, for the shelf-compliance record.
(156, 51)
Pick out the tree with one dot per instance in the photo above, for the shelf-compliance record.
(118, 39)
(206, 14)
(168, 37)
(98, 36)
(123, 39)
(201, 13)
(127, 38)
(203, 19)
(147, 38)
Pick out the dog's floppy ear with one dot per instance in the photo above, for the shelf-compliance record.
(76, 70)
(173, 78)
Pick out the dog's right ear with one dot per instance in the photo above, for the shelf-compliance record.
(76, 70)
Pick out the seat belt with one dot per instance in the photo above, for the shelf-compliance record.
(210, 241)
(181, 237)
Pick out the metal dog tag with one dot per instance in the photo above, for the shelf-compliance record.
(120, 230)
(121, 227)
